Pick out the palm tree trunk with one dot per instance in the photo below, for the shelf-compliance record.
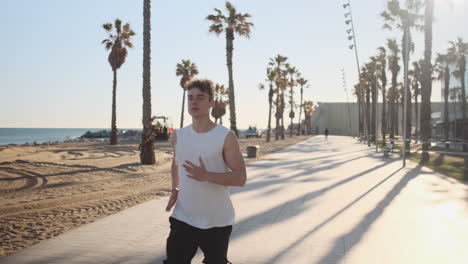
(374, 111)
(384, 121)
(291, 129)
(368, 115)
(299, 123)
(463, 92)
(446, 105)
(361, 116)
(146, 146)
(277, 115)
(291, 116)
(232, 103)
(426, 89)
(391, 113)
(416, 113)
(403, 113)
(282, 115)
(465, 123)
(270, 104)
(182, 113)
(408, 120)
(396, 118)
(114, 137)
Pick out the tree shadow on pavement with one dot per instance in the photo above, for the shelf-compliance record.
(303, 167)
(356, 234)
(265, 216)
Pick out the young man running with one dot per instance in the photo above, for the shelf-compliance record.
(207, 160)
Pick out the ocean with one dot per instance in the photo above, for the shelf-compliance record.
(41, 135)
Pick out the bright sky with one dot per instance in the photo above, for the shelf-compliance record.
(54, 71)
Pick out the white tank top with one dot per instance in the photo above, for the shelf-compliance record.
(202, 204)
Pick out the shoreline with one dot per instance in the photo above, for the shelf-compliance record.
(125, 134)
(49, 136)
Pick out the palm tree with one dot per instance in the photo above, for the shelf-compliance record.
(278, 64)
(360, 101)
(399, 103)
(309, 109)
(146, 146)
(219, 109)
(374, 87)
(416, 74)
(382, 64)
(231, 24)
(293, 72)
(426, 88)
(271, 76)
(303, 83)
(187, 70)
(366, 79)
(370, 78)
(442, 70)
(458, 52)
(282, 107)
(394, 69)
(117, 42)
(453, 95)
(404, 19)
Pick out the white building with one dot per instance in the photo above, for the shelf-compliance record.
(342, 118)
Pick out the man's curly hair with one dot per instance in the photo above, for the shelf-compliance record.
(205, 86)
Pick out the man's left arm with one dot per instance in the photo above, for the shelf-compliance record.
(234, 160)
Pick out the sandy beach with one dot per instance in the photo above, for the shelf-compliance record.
(48, 190)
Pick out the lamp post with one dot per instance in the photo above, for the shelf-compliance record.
(376, 107)
(347, 101)
(406, 87)
(352, 36)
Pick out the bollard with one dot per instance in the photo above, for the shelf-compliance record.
(253, 151)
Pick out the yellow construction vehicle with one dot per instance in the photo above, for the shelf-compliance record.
(162, 127)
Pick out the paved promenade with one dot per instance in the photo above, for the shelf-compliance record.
(319, 201)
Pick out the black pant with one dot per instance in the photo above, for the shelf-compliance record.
(184, 240)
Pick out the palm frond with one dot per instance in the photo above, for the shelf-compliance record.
(128, 44)
(109, 45)
(387, 27)
(216, 28)
(217, 19)
(386, 16)
(231, 10)
(243, 30)
(107, 26)
(126, 27)
(118, 25)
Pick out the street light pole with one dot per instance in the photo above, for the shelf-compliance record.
(347, 101)
(405, 105)
(353, 37)
(376, 96)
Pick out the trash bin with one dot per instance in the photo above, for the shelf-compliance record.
(253, 151)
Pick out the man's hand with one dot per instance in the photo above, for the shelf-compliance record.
(172, 199)
(195, 172)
